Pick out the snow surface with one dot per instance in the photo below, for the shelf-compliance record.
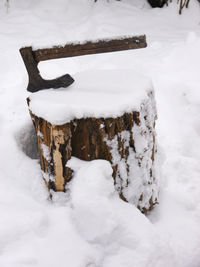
(95, 93)
(35, 231)
(105, 219)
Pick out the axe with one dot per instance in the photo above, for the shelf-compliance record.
(32, 57)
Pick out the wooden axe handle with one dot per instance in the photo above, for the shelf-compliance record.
(90, 47)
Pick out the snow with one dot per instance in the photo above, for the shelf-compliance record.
(36, 231)
(46, 152)
(95, 199)
(96, 93)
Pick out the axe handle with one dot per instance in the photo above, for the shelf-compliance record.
(89, 47)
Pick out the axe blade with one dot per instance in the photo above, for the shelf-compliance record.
(36, 82)
(41, 84)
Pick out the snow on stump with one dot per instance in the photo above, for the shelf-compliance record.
(105, 114)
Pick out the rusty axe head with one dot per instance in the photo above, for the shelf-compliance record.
(36, 82)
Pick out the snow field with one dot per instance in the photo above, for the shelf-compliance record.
(37, 232)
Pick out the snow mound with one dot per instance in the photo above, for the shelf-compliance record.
(104, 220)
(96, 93)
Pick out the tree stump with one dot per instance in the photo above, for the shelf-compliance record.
(104, 115)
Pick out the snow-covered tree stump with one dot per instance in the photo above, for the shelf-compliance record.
(104, 115)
